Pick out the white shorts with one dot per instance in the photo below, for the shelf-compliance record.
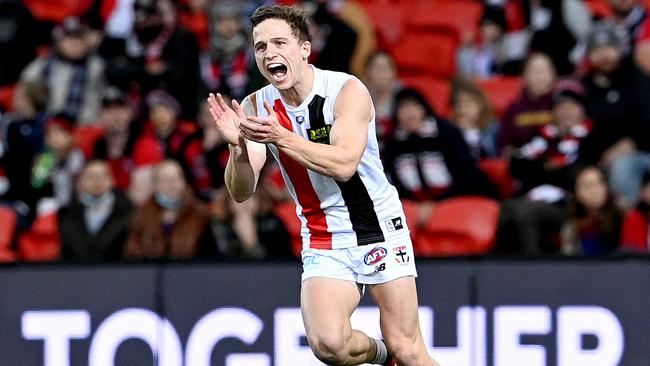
(366, 264)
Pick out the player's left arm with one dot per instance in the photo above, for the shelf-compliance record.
(348, 136)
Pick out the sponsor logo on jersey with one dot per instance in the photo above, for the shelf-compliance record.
(320, 135)
(394, 224)
(401, 255)
(375, 256)
(310, 262)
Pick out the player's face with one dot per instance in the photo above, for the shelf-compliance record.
(280, 56)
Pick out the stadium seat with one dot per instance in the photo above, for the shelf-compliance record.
(85, 137)
(436, 91)
(501, 91)
(430, 54)
(462, 16)
(286, 211)
(498, 171)
(41, 242)
(600, 8)
(8, 222)
(7, 97)
(388, 19)
(463, 225)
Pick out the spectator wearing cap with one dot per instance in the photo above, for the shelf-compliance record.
(158, 55)
(94, 226)
(635, 236)
(615, 103)
(495, 52)
(224, 63)
(72, 72)
(54, 171)
(116, 144)
(166, 137)
(532, 109)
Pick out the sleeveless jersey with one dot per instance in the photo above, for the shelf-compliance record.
(364, 210)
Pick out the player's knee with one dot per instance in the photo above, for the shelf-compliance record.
(329, 349)
(404, 348)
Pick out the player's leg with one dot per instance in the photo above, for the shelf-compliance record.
(398, 308)
(326, 308)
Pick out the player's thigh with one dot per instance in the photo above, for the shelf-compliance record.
(398, 308)
(327, 305)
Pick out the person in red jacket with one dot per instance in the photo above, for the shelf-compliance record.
(636, 227)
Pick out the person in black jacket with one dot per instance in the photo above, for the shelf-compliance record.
(427, 158)
(93, 227)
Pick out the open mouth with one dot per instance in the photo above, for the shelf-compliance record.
(279, 71)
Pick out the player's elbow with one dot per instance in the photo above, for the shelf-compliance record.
(345, 172)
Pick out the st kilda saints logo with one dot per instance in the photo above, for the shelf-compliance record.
(401, 255)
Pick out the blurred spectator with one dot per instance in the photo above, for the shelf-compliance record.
(548, 158)
(23, 139)
(556, 25)
(172, 224)
(333, 41)
(473, 115)
(192, 15)
(159, 54)
(629, 19)
(614, 99)
(72, 72)
(382, 83)
(93, 228)
(636, 235)
(54, 171)
(532, 109)
(495, 52)
(215, 148)
(249, 229)
(544, 169)
(120, 133)
(224, 64)
(16, 39)
(166, 138)
(427, 158)
(593, 226)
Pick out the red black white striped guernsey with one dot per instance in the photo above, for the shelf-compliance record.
(334, 215)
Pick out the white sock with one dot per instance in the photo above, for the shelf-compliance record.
(382, 352)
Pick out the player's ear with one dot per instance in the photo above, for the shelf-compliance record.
(306, 50)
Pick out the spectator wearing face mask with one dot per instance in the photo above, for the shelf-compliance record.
(159, 54)
(172, 224)
(72, 72)
(93, 228)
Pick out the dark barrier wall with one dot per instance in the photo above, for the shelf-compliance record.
(473, 313)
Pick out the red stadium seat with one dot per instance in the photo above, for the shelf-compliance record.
(8, 222)
(436, 91)
(388, 19)
(460, 226)
(286, 211)
(461, 15)
(7, 97)
(498, 171)
(431, 54)
(501, 91)
(600, 8)
(41, 243)
(85, 137)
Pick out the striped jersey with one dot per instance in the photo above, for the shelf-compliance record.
(364, 210)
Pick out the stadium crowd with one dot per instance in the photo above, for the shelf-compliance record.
(538, 109)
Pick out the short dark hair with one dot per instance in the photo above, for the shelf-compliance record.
(295, 17)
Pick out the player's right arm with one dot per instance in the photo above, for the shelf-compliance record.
(246, 157)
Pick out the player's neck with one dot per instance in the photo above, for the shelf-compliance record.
(301, 90)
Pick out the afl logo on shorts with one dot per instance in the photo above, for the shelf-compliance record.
(375, 256)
